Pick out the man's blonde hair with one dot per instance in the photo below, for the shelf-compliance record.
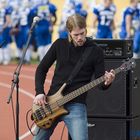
(74, 21)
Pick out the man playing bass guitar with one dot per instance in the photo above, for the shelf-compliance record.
(66, 53)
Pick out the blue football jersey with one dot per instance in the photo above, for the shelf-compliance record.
(3, 13)
(134, 13)
(105, 15)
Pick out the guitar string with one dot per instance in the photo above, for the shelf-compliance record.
(40, 112)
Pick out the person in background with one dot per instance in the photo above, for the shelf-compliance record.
(136, 45)
(70, 7)
(46, 11)
(5, 39)
(136, 49)
(104, 14)
(20, 28)
(67, 11)
(130, 24)
(66, 53)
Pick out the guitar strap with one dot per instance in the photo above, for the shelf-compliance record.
(79, 64)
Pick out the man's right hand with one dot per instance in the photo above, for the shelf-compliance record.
(40, 100)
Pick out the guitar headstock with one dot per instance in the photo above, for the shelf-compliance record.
(129, 64)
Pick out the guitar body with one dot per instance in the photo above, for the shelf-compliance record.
(44, 116)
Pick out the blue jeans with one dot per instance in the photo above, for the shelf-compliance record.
(76, 122)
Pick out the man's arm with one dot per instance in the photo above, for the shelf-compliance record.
(94, 24)
(128, 25)
(41, 73)
(42, 69)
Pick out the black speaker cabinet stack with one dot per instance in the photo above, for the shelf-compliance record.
(114, 114)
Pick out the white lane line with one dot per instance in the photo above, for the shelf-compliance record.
(27, 133)
(30, 69)
(20, 90)
(22, 76)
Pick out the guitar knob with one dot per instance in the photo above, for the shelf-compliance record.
(32, 118)
(48, 123)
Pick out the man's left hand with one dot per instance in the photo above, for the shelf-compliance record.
(109, 77)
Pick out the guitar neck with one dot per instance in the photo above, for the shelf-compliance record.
(72, 95)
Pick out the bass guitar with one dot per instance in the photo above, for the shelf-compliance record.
(44, 116)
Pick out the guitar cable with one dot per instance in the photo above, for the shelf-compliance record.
(27, 114)
(30, 127)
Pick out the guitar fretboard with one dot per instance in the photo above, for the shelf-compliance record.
(70, 96)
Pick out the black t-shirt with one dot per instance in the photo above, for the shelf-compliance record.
(66, 56)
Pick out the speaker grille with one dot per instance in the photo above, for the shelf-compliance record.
(121, 99)
(110, 102)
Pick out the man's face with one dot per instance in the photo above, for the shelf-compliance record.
(78, 36)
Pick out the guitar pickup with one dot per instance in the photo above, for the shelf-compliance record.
(48, 108)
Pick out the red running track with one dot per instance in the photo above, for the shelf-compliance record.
(26, 95)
